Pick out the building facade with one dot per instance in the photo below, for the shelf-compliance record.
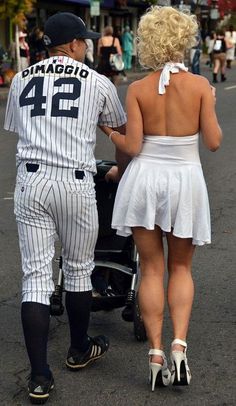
(117, 13)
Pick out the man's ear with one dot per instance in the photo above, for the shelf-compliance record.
(73, 45)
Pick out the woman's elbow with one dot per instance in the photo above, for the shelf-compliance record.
(217, 142)
(133, 151)
(214, 148)
(213, 143)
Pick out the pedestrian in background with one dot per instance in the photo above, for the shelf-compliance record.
(210, 41)
(219, 56)
(107, 45)
(89, 55)
(230, 36)
(24, 53)
(127, 47)
(38, 51)
(2, 54)
(55, 107)
(195, 54)
(167, 112)
(117, 33)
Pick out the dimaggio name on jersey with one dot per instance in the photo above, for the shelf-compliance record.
(55, 107)
(55, 69)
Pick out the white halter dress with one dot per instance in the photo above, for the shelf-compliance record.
(164, 185)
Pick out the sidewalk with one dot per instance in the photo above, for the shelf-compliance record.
(3, 93)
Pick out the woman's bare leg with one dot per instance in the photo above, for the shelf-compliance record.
(216, 66)
(180, 284)
(151, 291)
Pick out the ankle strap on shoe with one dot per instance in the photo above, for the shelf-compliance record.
(180, 342)
(153, 351)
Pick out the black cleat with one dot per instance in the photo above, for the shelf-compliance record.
(97, 348)
(39, 388)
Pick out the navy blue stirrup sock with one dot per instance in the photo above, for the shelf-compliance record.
(78, 306)
(35, 321)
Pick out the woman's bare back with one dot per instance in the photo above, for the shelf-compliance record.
(186, 108)
(175, 113)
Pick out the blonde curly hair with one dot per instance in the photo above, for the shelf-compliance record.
(164, 34)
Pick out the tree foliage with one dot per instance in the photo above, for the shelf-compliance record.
(16, 10)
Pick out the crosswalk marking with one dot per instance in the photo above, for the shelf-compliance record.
(230, 87)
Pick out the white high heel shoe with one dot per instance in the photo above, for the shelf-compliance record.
(158, 374)
(180, 372)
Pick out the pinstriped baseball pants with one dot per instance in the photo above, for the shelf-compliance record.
(49, 204)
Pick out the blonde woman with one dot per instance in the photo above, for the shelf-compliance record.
(163, 188)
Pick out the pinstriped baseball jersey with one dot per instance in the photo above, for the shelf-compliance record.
(55, 107)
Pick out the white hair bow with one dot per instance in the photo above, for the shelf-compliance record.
(165, 74)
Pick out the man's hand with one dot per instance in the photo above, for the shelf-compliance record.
(113, 175)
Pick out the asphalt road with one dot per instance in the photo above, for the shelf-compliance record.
(121, 377)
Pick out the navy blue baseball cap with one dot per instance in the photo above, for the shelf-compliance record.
(62, 28)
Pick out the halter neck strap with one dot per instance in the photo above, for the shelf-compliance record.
(173, 67)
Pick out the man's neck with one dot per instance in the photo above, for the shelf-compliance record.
(60, 53)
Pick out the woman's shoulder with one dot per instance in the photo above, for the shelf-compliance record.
(194, 85)
(139, 83)
(148, 77)
(196, 80)
(190, 82)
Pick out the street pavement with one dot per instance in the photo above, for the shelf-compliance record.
(120, 378)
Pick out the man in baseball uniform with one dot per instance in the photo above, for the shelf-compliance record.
(55, 107)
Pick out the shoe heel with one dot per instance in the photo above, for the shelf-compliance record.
(154, 370)
(180, 372)
(177, 357)
(158, 373)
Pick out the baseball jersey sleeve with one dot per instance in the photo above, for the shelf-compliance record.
(10, 115)
(112, 114)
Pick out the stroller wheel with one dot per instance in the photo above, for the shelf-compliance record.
(139, 329)
(56, 305)
(128, 313)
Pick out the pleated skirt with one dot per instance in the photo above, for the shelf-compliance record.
(165, 186)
